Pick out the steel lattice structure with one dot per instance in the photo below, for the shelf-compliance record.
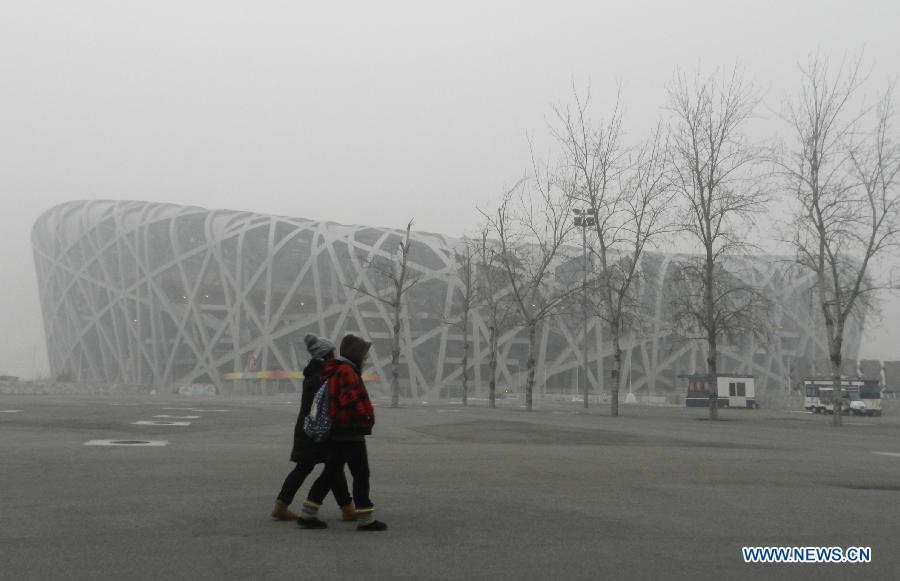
(159, 294)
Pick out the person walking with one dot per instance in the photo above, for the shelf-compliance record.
(306, 453)
(353, 418)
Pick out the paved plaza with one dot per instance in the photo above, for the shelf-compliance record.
(469, 493)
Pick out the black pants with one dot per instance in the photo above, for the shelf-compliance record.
(355, 456)
(294, 480)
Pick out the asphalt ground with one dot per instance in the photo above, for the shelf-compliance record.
(469, 493)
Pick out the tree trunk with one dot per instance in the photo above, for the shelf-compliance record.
(529, 384)
(835, 330)
(492, 367)
(584, 367)
(465, 362)
(395, 360)
(712, 370)
(712, 385)
(836, 388)
(836, 347)
(617, 371)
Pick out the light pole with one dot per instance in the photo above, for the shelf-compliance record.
(584, 218)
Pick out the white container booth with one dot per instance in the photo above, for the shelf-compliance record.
(734, 391)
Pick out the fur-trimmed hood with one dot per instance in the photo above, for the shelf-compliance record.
(354, 350)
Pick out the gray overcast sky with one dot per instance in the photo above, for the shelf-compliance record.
(356, 112)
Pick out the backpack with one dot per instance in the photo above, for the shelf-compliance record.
(317, 425)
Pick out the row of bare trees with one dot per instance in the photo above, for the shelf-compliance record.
(568, 239)
(698, 179)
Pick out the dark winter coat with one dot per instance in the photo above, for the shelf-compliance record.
(348, 400)
(305, 450)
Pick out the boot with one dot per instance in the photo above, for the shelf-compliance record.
(349, 512)
(280, 511)
(367, 522)
(311, 523)
(375, 525)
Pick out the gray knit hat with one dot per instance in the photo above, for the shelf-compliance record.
(318, 347)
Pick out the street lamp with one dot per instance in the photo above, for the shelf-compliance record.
(584, 218)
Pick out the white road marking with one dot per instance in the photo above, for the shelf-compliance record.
(194, 410)
(895, 454)
(9, 411)
(130, 443)
(153, 423)
(178, 417)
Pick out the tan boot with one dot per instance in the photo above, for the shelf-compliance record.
(349, 512)
(281, 512)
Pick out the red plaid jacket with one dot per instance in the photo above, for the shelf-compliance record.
(348, 400)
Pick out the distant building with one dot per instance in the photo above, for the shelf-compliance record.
(166, 295)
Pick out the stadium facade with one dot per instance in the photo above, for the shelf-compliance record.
(165, 295)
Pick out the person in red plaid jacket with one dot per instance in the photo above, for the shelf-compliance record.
(306, 453)
(348, 401)
(353, 418)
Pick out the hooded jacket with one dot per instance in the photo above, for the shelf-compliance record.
(304, 448)
(348, 400)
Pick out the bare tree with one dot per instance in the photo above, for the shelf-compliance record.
(843, 169)
(593, 159)
(625, 195)
(493, 299)
(644, 195)
(531, 228)
(712, 165)
(395, 280)
(466, 260)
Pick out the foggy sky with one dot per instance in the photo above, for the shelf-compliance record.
(356, 112)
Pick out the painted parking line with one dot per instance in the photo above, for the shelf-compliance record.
(178, 417)
(155, 423)
(194, 410)
(895, 454)
(10, 411)
(131, 443)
